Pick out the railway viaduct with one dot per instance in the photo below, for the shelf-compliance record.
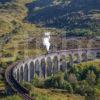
(52, 62)
(48, 64)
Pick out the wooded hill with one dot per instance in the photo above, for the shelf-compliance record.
(21, 20)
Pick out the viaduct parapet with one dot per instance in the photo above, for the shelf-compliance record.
(48, 64)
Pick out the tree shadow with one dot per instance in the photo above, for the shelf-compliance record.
(45, 13)
(4, 1)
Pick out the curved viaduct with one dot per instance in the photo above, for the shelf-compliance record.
(52, 62)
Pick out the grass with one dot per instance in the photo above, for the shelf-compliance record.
(2, 85)
(11, 21)
(47, 94)
(95, 63)
(15, 97)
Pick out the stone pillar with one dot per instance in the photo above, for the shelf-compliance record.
(45, 70)
(66, 65)
(86, 56)
(91, 55)
(40, 70)
(79, 57)
(94, 55)
(15, 74)
(52, 64)
(49, 66)
(59, 62)
(29, 73)
(18, 75)
(26, 72)
(55, 63)
(71, 59)
(23, 72)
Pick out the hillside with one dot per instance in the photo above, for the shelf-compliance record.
(24, 22)
(77, 17)
(20, 20)
(13, 30)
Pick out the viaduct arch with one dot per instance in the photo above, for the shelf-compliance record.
(49, 64)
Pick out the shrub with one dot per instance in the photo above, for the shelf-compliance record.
(67, 86)
(15, 97)
(35, 82)
(38, 82)
(27, 85)
(91, 78)
(83, 88)
(66, 76)
(72, 78)
(54, 81)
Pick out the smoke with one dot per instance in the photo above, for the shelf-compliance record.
(46, 40)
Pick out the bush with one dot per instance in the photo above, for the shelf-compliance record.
(54, 81)
(27, 85)
(38, 83)
(15, 97)
(66, 76)
(67, 86)
(58, 81)
(83, 88)
(72, 78)
(91, 78)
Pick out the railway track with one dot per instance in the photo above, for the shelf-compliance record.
(23, 92)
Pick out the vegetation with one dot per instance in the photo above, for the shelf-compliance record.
(27, 85)
(78, 18)
(17, 26)
(84, 82)
(15, 97)
(17, 23)
(49, 94)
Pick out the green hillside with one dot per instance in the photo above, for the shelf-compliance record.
(13, 30)
(22, 19)
(77, 17)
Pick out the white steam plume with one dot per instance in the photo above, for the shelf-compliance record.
(46, 40)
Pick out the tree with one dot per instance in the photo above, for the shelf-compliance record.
(27, 85)
(66, 85)
(91, 78)
(66, 76)
(72, 78)
(84, 88)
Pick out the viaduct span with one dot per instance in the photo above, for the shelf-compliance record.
(48, 64)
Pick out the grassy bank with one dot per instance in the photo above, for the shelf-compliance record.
(47, 94)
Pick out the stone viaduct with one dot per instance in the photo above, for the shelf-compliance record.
(52, 62)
